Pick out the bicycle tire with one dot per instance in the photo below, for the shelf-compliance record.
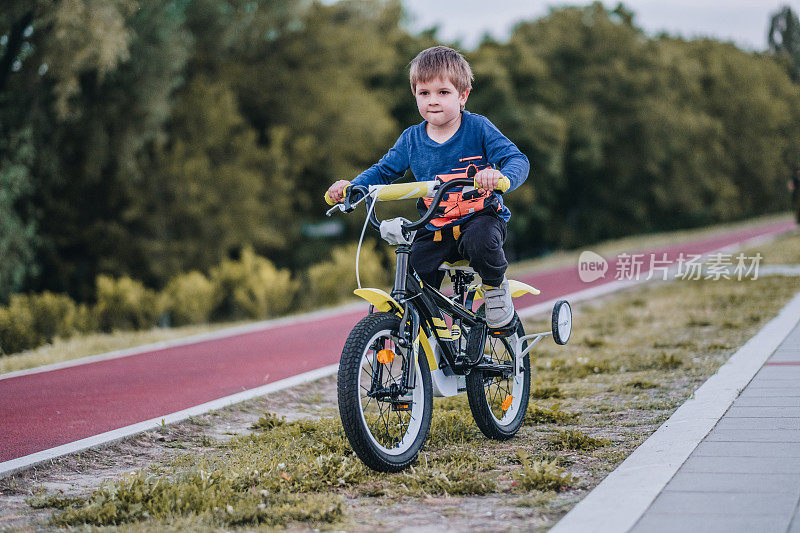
(381, 445)
(487, 394)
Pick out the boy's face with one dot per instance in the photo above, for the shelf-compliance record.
(438, 101)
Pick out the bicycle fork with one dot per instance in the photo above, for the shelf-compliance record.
(408, 340)
(410, 330)
(409, 323)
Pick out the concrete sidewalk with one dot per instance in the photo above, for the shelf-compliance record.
(745, 474)
(728, 459)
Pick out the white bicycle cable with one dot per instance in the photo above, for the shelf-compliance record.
(363, 230)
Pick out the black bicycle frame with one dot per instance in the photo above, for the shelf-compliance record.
(421, 303)
(428, 303)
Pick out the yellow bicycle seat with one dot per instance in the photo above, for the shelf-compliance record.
(462, 265)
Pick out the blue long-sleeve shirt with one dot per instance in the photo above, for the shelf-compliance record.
(477, 142)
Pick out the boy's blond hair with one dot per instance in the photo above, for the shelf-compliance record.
(441, 62)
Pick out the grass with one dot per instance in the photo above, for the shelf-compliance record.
(451, 475)
(633, 359)
(273, 478)
(537, 414)
(784, 250)
(639, 384)
(540, 475)
(268, 421)
(573, 439)
(542, 391)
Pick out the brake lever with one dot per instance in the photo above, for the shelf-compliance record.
(345, 207)
(332, 210)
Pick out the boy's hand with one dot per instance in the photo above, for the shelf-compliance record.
(487, 179)
(336, 191)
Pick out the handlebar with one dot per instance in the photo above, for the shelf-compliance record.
(442, 189)
(354, 194)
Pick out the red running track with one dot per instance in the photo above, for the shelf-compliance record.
(43, 410)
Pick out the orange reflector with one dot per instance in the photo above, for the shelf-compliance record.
(399, 406)
(385, 356)
(507, 402)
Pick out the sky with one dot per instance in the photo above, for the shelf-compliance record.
(745, 22)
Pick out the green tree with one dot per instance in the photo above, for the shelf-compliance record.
(629, 134)
(17, 232)
(319, 89)
(89, 150)
(784, 40)
(206, 195)
(45, 48)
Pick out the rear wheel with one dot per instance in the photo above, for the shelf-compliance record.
(498, 393)
(385, 426)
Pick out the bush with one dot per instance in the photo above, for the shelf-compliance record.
(125, 304)
(335, 279)
(253, 287)
(190, 298)
(53, 314)
(17, 331)
(30, 320)
(86, 320)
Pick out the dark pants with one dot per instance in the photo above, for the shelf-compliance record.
(480, 241)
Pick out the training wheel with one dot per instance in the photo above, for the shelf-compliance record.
(562, 322)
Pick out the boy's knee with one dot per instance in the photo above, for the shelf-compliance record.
(482, 245)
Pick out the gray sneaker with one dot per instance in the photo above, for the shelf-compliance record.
(499, 307)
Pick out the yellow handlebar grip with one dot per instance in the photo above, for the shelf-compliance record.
(330, 201)
(503, 184)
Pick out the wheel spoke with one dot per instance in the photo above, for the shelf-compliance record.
(502, 383)
(385, 424)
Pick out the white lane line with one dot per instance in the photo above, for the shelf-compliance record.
(9, 467)
(111, 436)
(617, 503)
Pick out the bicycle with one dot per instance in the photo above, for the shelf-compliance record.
(385, 389)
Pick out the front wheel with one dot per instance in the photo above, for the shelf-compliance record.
(498, 388)
(386, 426)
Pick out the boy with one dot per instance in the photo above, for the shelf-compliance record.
(472, 224)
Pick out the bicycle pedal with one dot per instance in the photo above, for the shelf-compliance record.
(507, 330)
(401, 405)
